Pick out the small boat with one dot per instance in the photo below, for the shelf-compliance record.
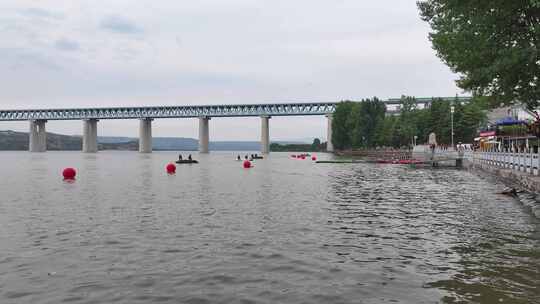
(257, 157)
(187, 161)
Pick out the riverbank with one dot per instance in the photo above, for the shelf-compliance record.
(376, 154)
(514, 178)
(527, 186)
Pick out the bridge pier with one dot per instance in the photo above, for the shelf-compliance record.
(89, 144)
(204, 134)
(265, 134)
(329, 145)
(37, 136)
(145, 135)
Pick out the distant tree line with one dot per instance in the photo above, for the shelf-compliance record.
(366, 124)
(316, 146)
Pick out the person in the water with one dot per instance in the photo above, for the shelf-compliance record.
(179, 156)
(239, 158)
(189, 157)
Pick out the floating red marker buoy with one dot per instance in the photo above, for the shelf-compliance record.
(69, 173)
(247, 164)
(314, 158)
(303, 157)
(171, 168)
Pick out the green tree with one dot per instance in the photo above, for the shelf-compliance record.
(365, 118)
(439, 120)
(341, 131)
(365, 125)
(472, 118)
(493, 44)
(316, 145)
(407, 127)
(385, 132)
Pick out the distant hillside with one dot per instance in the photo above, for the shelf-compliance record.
(11, 140)
(16, 141)
(191, 144)
(114, 139)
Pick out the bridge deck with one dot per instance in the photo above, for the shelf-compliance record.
(238, 110)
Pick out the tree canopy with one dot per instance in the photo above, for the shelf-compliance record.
(493, 45)
(365, 124)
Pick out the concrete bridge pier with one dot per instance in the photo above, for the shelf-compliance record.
(329, 145)
(204, 134)
(37, 136)
(265, 134)
(90, 144)
(145, 135)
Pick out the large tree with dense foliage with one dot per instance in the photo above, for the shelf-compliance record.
(366, 116)
(341, 128)
(493, 44)
(408, 119)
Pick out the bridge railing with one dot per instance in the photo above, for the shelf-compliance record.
(527, 162)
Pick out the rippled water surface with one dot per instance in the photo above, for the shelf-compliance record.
(286, 231)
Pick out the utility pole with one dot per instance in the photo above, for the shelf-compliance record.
(452, 123)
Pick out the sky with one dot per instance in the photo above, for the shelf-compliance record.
(174, 52)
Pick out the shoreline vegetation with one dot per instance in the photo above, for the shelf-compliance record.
(316, 146)
(367, 125)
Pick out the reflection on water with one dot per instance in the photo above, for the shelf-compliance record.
(286, 231)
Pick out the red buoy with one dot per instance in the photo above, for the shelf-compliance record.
(171, 168)
(314, 158)
(69, 173)
(247, 164)
(303, 157)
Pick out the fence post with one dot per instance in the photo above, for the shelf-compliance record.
(537, 163)
(520, 157)
(530, 161)
(512, 161)
(518, 161)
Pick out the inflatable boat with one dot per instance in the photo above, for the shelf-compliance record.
(187, 161)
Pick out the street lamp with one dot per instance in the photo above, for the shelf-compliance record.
(452, 123)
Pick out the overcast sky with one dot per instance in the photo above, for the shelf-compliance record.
(129, 53)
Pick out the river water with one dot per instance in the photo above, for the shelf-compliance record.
(286, 231)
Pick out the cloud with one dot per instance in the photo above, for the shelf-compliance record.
(64, 44)
(120, 25)
(17, 59)
(79, 54)
(40, 13)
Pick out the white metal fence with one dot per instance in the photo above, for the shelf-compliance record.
(524, 161)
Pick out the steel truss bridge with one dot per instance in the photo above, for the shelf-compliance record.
(239, 110)
(90, 117)
(190, 111)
